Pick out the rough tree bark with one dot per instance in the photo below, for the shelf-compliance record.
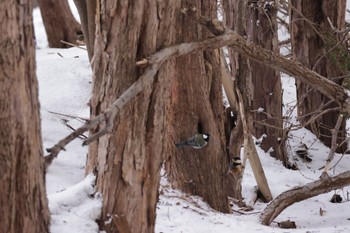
(242, 76)
(127, 162)
(301, 193)
(266, 87)
(59, 22)
(196, 106)
(234, 20)
(23, 202)
(312, 45)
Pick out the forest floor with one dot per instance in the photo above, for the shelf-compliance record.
(64, 90)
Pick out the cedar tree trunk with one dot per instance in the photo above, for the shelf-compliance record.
(23, 202)
(266, 92)
(59, 22)
(127, 161)
(233, 16)
(196, 106)
(312, 45)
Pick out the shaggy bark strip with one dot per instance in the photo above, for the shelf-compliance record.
(250, 50)
(324, 185)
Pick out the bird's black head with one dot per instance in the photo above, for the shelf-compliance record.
(236, 161)
(206, 137)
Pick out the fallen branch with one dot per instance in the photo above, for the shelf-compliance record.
(251, 153)
(324, 185)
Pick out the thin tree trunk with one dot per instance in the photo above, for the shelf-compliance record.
(127, 162)
(242, 76)
(59, 22)
(233, 20)
(23, 202)
(312, 45)
(87, 12)
(196, 107)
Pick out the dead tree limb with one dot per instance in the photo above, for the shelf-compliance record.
(226, 37)
(334, 143)
(324, 185)
(251, 153)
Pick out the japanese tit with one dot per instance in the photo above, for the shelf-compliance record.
(235, 166)
(198, 141)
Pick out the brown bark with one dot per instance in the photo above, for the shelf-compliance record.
(87, 11)
(127, 162)
(59, 22)
(233, 15)
(266, 87)
(242, 76)
(312, 42)
(23, 202)
(196, 106)
(301, 193)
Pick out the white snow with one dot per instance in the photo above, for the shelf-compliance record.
(64, 87)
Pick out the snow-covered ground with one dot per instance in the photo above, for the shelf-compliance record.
(64, 88)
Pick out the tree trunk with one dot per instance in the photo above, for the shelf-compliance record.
(312, 45)
(59, 22)
(233, 20)
(242, 76)
(301, 193)
(87, 12)
(196, 106)
(266, 93)
(23, 202)
(127, 161)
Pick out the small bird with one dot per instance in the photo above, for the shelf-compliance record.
(235, 166)
(198, 141)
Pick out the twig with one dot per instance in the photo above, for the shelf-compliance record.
(72, 45)
(65, 122)
(70, 116)
(246, 213)
(346, 30)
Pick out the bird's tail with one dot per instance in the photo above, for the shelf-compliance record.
(181, 144)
